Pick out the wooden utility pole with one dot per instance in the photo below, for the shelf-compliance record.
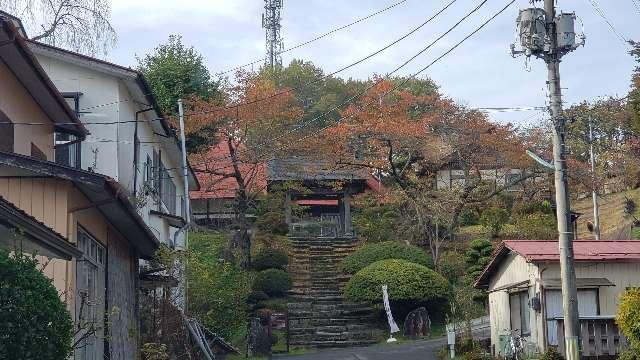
(565, 240)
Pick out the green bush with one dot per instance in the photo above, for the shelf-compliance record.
(493, 218)
(468, 216)
(551, 354)
(218, 290)
(632, 353)
(451, 265)
(375, 220)
(628, 317)
(371, 253)
(407, 282)
(35, 323)
(273, 282)
(270, 259)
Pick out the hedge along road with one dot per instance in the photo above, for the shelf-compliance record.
(418, 350)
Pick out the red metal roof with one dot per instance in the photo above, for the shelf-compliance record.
(584, 250)
(220, 185)
(547, 250)
(310, 202)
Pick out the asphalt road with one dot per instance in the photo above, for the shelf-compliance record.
(419, 350)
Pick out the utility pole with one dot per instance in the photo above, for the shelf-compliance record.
(594, 189)
(271, 22)
(565, 241)
(549, 37)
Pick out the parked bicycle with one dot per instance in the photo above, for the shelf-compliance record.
(512, 344)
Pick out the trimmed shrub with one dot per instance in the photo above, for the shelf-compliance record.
(534, 226)
(371, 253)
(270, 259)
(273, 282)
(35, 323)
(406, 281)
(628, 317)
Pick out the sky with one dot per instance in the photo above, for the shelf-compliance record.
(479, 73)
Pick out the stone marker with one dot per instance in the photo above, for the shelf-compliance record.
(417, 323)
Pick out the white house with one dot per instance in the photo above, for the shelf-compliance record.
(130, 141)
(523, 283)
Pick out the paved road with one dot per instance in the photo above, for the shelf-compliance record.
(419, 350)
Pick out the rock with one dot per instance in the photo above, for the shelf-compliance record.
(417, 323)
(260, 340)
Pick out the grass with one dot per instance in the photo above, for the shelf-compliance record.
(614, 223)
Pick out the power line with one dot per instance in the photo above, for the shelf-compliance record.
(397, 85)
(612, 28)
(411, 32)
(299, 45)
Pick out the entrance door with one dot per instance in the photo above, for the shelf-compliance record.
(587, 306)
(330, 225)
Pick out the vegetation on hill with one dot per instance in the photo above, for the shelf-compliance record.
(370, 253)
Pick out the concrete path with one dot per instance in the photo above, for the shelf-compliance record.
(419, 350)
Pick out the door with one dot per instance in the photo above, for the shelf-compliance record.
(587, 306)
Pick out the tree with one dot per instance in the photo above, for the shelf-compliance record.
(634, 95)
(175, 71)
(79, 25)
(477, 257)
(35, 323)
(246, 129)
(408, 132)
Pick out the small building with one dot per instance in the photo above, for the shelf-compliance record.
(525, 297)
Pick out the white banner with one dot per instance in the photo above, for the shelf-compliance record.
(385, 298)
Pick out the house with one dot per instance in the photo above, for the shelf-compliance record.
(83, 227)
(524, 288)
(129, 139)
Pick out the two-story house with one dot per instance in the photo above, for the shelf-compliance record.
(129, 139)
(82, 225)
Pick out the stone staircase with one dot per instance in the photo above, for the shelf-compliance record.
(319, 317)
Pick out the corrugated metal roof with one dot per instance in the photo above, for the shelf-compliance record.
(584, 250)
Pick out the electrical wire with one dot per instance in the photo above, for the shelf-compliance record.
(282, 92)
(612, 28)
(397, 86)
(299, 45)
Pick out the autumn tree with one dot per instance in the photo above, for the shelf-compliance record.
(634, 95)
(79, 25)
(250, 131)
(408, 134)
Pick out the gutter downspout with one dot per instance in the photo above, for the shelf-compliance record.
(136, 150)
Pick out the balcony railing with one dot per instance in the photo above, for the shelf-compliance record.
(599, 336)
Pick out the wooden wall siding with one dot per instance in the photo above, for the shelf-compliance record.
(19, 107)
(122, 294)
(622, 274)
(45, 199)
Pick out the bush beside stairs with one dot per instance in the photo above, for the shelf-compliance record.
(319, 317)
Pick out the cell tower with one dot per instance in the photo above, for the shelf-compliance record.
(271, 22)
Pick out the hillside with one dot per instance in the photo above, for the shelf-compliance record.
(613, 222)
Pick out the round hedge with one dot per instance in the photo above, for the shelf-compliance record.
(406, 281)
(371, 253)
(273, 282)
(270, 259)
(628, 317)
(35, 323)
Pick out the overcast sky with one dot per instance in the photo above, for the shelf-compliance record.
(480, 73)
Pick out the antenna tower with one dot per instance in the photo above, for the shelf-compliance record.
(271, 22)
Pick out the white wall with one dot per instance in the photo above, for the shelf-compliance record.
(109, 149)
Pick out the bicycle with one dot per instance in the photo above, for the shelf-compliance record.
(512, 344)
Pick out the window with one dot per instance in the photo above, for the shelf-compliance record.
(163, 184)
(6, 133)
(67, 150)
(520, 312)
(90, 295)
